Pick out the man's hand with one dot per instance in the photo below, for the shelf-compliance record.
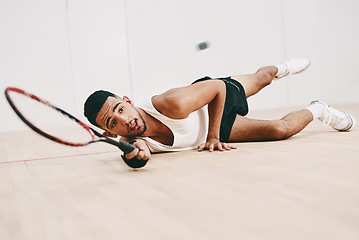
(214, 144)
(141, 152)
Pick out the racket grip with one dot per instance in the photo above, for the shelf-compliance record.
(133, 162)
(126, 147)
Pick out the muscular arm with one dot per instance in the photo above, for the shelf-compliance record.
(178, 103)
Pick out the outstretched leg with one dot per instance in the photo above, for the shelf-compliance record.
(245, 129)
(253, 83)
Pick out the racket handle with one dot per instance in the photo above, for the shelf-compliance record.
(133, 162)
(126, 147)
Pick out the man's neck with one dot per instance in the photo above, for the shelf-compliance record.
(156, 129)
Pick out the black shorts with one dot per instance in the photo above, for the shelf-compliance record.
(236, 103)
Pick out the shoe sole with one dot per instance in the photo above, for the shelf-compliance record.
(353, 123)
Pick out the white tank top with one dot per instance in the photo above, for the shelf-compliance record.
(188, 133)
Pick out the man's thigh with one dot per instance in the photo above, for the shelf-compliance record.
(253, 83)
(246, 129)
(248, 82)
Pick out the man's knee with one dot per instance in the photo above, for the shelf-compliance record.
(265, 76)
(281, 130)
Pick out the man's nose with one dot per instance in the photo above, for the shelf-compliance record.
(123, 120)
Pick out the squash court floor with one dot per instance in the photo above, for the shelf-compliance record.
(305, 187)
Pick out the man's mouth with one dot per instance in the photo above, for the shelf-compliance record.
(133, 125)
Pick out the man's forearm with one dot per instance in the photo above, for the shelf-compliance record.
(215, 111)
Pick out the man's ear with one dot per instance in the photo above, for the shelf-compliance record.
(128, 100)
(108, 134)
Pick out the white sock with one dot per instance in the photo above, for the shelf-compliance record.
(316, 109)
(282, 70)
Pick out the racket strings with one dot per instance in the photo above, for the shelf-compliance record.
(51, 121)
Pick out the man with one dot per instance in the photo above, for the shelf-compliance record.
(207, 114)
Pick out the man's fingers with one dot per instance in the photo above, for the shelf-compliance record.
(132, 154)
(143, 155)
(201, 147)
(220, 148)
(139, 154)
(231, 147)
(211, 148)
(227, 147)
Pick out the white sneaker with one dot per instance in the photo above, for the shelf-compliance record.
(338, 120)
(293, 66)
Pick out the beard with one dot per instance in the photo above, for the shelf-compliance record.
(144, 128)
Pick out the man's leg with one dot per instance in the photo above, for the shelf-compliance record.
(253, 83)
(245, 129)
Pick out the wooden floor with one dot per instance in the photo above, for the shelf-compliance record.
(306, 187)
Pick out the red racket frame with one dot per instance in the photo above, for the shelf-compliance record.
(124, 146)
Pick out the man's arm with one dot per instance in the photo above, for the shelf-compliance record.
(178, 103)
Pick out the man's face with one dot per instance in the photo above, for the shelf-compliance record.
(118, 116)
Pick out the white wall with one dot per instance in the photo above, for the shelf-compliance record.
(64, 50)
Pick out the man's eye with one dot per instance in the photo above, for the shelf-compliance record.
(121, 110)
(113, 123)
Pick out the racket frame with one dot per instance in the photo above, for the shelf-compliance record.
(124, 146)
